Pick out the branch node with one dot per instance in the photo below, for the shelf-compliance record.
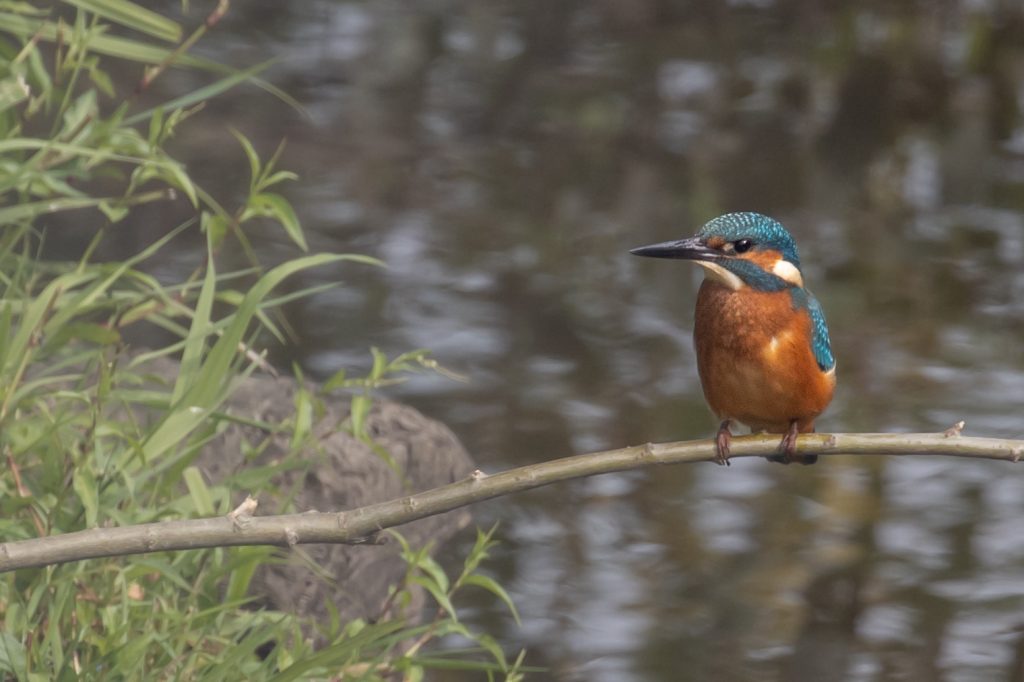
(1016, 454)
(242, 514)
(477, 475)
(291, 536)
(646, 451)
(954, 430)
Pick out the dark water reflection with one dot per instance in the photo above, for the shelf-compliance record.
(502, 157)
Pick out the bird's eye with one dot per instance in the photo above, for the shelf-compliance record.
(742, 245)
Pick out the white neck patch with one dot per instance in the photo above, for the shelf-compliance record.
(783, 269)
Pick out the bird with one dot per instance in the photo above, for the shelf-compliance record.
(763, 350)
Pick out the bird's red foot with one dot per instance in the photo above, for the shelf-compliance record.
(722, 440)
(788, 445)
(787, 448)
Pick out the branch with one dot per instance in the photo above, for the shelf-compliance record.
(359, 526)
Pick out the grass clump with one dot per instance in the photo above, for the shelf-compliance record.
(90, 437)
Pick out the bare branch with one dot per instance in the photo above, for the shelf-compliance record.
(358, 526)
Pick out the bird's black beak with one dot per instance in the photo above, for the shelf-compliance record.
(691, 248)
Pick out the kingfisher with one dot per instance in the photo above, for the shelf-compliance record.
(763, 350)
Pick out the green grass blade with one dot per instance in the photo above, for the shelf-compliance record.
(13, 91)
(34, 209)
(35, 315)
(131, 50)
(88, 297)
(199, 491)
(132, 16)
(201, 94)
(195, 342)
(208, 389)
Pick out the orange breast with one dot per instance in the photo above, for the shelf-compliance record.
(755, 361)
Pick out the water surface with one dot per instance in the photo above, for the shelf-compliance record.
(503, 158)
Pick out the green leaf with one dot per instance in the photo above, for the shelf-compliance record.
(216, 226)
(132, 16)
(200, 329)
(112, 46)
(427, 564)
(102, 81)
(174, 174)
(493, 648)
(157, 564)
(132, 50)
(209, 388)
(34, 209)
(251, 155)
(85, 299)
(98, 334)
(360, 408)
(337, 380)
(276, 206)
(279, 177)
(249, 559)
(12, 655)
(202, 94)
(34, 316)
(84, 484)
(380, 363)
(439, 596)
(303, 419)
(6, 315)
(199, 491)
(80, 116)
(13, 91)
(156, 127)
(115, 213)
(494, 588)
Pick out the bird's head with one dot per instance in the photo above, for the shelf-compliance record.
(738, 250)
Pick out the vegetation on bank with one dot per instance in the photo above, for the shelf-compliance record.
(88, 438)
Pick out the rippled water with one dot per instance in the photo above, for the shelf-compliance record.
(503, 158)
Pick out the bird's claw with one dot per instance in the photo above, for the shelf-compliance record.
(787, 448)
(722, 441)
(788, 445)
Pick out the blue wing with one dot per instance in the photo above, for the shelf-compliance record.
(821, 346)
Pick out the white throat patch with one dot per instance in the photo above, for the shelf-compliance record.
(716, 273)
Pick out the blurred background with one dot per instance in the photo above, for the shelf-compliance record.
(502, 157)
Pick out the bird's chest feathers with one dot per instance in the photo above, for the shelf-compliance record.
(747, 324)
(754, 355)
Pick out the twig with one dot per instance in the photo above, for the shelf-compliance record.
(212, 20)
(356, 525)
(15, 470)
(955, 430)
